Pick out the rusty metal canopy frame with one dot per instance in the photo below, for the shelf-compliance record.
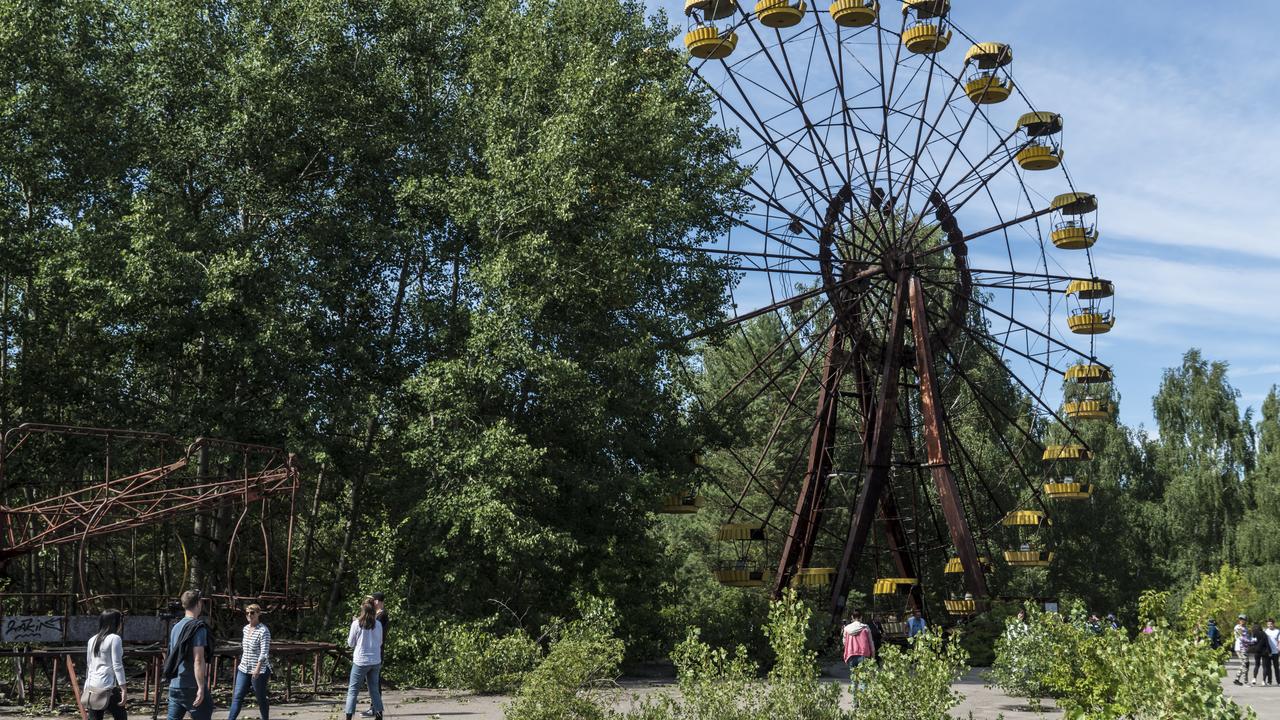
(85, 488)
(874, 167)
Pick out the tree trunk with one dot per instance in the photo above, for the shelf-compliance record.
(371, 430)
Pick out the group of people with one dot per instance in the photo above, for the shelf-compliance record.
(188, 662)
(1257, 647)
(861, 640)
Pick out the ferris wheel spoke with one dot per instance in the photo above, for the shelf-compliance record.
(775, 307)
(759, 364)
(1050, 411)
(993, 406)
(789, 83)
(800, 178)
(1027, 328)
(887, 94)
(916, 155)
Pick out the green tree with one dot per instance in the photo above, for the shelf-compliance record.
(1204, 453)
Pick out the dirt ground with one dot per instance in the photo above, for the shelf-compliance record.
(981, 703)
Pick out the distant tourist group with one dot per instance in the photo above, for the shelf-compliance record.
(1256, 647)
(189, 660)
(862, 639)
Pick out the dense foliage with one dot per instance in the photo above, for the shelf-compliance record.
(1103, 673)
(443, 252)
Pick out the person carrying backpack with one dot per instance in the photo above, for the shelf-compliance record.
(188, 662)
(1214, 635)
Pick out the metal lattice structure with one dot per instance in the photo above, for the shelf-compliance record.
(909, 221)
(85, 487)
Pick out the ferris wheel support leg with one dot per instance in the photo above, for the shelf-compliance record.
(936, 448)
(895, 533)
(798, 546)
(881, 448)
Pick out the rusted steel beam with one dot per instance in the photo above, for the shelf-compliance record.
(797, 547)
(931, 409)
(878, 461)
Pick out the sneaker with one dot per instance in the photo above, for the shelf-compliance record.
(368, 713)
(1254, 682)
(1237, 681)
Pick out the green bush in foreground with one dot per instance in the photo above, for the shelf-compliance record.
(583, 659)
(1164, 675)
(472, 657)
(911, 685)
(716, 684)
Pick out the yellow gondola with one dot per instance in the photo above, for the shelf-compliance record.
(779, 13)
(1026, 518)
(1088, 409)
(736, 532)
(854, 13)
(991, 83)
(1028, 558)
(955, 566)
(707, 43)
(1089, 318)
(965, 607)
(813, 577)
(1088, 373)
(1068, 490)
(742, 578)
(1043, 148)
(1066, 452)
(928, 32)
(682, 504)
(1071, 229)
(891, 586)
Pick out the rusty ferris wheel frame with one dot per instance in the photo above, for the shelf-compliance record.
(872, 165)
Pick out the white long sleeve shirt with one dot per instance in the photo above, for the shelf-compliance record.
(365, 644)
(106, 667)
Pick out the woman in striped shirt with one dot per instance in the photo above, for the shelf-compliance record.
(254, 668)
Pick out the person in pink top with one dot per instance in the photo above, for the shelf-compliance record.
(858, 645)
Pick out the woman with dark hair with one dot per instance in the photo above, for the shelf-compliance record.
(365, 641)
(104, 680)
(255, 668)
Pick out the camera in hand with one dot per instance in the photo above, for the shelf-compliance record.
(172, 611)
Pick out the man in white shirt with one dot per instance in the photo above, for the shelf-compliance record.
(1272, 667)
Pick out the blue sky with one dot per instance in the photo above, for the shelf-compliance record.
(1173, 117)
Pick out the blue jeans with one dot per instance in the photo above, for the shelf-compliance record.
(243, 682)
(183, 701)
(361, 674)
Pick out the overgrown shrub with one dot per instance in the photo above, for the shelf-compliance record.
(910, 685)
(583, 659)
(1164, 675)
(472, 656)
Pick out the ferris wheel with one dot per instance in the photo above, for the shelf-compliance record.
(911, 230)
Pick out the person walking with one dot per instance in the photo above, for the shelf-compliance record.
(254, 669)
(1260, 651)
(1272, 670)
(915, 624)
(365, 640)
(1214, 635)
(858, 645)
(104, 677)
(1241, 640)
(187, 665)
(379, 603)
